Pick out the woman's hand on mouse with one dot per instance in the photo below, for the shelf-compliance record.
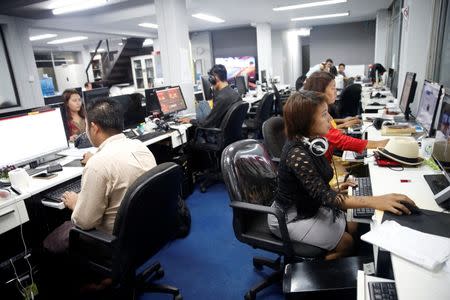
(392, 203)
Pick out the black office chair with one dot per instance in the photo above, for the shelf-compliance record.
(145, 223)
(350, 101)
(250, 178)
(254, 121)
(278, 104)
(274, 136)
(214, 140)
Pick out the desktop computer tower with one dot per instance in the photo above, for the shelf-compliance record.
(187, 184)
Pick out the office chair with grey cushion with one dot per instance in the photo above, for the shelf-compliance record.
(214, 140)
(250, 178)
(350, 101)
(145, 223)
(274, 136)
(256, 118)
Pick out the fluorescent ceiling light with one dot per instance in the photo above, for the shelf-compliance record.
(120, 44)
(208, 18)
(303, 31)
(147, 43)
(320, 17)
(149, 25)
(42, 36)
(306, 5)
(98, 50)
(74, 6)
(68, 40)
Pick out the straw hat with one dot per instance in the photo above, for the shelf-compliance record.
(404, 150)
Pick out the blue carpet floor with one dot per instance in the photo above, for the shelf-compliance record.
(211, 263)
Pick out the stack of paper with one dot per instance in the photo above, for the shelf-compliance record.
(427, 250)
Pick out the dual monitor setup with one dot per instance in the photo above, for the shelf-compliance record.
(434, 105)
(36, 135)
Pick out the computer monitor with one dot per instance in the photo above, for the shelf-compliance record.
(171, 100)
(207, 88)
(32, 136)
(428, 106)
(53, 100)
(240, 85)
(443, 125)
(133, 111)
(408, 92)
(90, 97)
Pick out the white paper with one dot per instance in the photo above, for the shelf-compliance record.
(427, 250)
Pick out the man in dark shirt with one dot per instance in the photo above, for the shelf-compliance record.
(224, 98)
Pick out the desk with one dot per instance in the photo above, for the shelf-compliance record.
(253, 98)
(13, 211)
(412, 281)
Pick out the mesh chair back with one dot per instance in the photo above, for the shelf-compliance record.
(274, 136)
(350, 101)
(231, 125)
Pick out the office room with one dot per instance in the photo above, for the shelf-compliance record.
(194, 149)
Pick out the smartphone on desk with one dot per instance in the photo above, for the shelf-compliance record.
(45, 175)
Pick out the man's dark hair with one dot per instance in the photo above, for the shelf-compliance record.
(220, 71)
(342, 64)
(106, 114)
(329, 60)
(86, 84)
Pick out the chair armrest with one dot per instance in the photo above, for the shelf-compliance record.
(267, 210)
(96, 235)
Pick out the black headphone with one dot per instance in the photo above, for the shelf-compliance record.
(212, 79)
(318, 146)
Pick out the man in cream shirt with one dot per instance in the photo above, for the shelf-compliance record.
(107, 175)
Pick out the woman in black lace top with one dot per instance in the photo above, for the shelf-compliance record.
(314, 211)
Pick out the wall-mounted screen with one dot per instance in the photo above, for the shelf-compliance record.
(239, 66)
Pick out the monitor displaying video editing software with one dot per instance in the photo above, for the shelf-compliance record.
(428, 106)
(32, 135)
(171, 100)
(408, 92)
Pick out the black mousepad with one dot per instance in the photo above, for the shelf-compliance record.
(74, 163)
(432, 222)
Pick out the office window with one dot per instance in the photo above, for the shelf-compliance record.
(443, 58)
(8, 90)
(395, 37)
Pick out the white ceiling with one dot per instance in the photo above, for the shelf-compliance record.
(121, 17)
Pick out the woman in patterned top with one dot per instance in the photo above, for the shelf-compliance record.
(314, 211)
(75, 113)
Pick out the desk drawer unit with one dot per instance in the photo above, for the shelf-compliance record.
(13, 215)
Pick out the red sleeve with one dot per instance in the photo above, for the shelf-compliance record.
(338, 140)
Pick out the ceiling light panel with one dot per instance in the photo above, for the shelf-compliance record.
(321, 17)
(307, 5)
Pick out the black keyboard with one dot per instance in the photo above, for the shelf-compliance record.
(436, 182)
(149, 135)
(382, 291)
(56, 194)
(32, 172)
(364, 188)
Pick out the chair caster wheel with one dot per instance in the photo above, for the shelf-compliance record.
(159, 274)
(250, 296)
(257, 266)
(202, 189)
(178, 297)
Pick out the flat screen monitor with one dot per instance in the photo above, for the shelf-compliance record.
(408, 92)
(428, 106)
(207, 88)
(94, 95)
(171, 100)
(443, 125)
(53, 100)
(240, 85)
(237, 66)
(32, 135)
(133, 111)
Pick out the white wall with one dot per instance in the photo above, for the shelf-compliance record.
(292, 56)
(23, 63)
(414, 53)
(381, 36)
(202, 49)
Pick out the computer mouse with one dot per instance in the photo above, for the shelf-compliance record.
(412, 208)
(391, 101)
(377, 95)
(375, 104)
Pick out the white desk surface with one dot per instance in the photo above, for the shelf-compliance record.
(412, 281)
(253, 98)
